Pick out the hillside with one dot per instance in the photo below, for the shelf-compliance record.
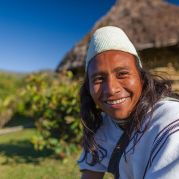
(10, 82)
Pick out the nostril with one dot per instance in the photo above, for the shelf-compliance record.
(111, 87)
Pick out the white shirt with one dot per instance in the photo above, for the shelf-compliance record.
(155, 156)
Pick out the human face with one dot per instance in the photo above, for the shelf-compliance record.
(115, 83)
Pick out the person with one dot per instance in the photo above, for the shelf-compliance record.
(130, 117)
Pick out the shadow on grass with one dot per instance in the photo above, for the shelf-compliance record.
(21, 120)
(22, 152)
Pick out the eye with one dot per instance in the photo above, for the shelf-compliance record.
(122, 74)
(98, 79)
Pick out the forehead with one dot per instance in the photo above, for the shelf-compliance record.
(111, 59)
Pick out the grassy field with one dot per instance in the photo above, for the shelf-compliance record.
(18, 160)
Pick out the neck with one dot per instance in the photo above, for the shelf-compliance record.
(124, 123)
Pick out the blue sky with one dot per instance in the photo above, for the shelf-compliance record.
(36, 34)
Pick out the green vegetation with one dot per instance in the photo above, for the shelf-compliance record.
(10, 83)
(54, 106)
(19, 160)
(51, 102)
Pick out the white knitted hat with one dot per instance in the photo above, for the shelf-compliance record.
(109, 38)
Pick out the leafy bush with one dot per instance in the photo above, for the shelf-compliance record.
(53, 103)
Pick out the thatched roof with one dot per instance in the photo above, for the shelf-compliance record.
(148, 23)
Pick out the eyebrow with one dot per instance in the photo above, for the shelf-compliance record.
(120, 68)
(97, 74)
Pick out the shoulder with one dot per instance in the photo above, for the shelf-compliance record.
(164, 130)
(166, 112)
(165, 119)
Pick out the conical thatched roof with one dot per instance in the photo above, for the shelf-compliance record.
(148, 23)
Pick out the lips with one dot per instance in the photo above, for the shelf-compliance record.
(116, 101)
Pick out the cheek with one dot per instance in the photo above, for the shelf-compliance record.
(134, 85)
(138, 88)
(95, 91)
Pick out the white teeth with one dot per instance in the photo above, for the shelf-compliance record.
(116, 101)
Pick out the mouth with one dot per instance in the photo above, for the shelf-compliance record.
(114, 102)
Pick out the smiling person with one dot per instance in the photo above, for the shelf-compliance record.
(130, 118)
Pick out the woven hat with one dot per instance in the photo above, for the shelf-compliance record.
(109, 38)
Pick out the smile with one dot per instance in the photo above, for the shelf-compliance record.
(111, 102)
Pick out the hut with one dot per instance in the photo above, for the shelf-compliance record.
(152, 25)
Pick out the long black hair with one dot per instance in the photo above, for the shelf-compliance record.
(154, 88)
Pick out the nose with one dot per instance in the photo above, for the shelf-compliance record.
(111, 86)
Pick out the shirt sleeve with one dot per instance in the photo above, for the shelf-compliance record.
(164, 158)
(84, 163)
